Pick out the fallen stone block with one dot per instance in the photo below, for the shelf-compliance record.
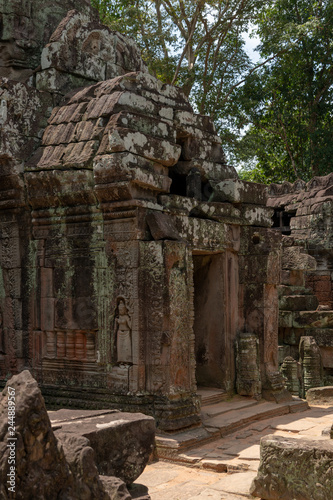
(35, 463)
(39, 469)
(294, 469)
(297, 258)
(122, 442)
(320, 395)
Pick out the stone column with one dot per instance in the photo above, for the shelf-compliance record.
(291, 370)
(70, 345)
(248, 381)
(50, 345)
(311, 363)
(79, 346)
(61, 346)
(90, 347)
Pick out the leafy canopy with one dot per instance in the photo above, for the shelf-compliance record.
(288, 105)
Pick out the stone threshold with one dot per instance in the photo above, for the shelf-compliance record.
(219, 421)
(211, 396)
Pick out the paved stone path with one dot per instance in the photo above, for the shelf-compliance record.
(224, 469)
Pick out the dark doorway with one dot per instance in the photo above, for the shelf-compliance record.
(209, 320)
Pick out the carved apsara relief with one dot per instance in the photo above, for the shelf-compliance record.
(123, 332)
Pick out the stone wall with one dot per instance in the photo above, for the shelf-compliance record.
(303, 215)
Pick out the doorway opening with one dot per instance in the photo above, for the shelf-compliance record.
(209, 320)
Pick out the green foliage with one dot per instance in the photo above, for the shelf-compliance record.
(288, 104)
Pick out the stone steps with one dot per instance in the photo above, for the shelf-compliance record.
(211, 396)
(237, 403)
(237, 419)
(170, 446)
(220, 422)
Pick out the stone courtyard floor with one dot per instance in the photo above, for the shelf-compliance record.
(223, 469)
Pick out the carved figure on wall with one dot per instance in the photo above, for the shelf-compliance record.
(123, 327)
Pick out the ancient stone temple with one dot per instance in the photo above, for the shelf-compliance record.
(132, 258)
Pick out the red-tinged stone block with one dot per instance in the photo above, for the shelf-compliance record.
(48, 157)
(66, 114)
(324, 285)
(59, 134)
(80, 154)
(89, 130)
(324, 297)
(102, 106)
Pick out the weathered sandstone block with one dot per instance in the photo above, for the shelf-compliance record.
(27, 27)
(298, 303)
(320, 395)
(41, 467)
(122, 442)
(62, 466)
(23, 115)
(294, 469)
(237, 191)
(122, 139)
(297, 258)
